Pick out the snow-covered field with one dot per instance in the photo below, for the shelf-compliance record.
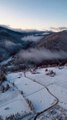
(14, 106)
(25, 85)
(12, 102)
(33, 91)
(41, 100)
(40, 88)
(57, 84)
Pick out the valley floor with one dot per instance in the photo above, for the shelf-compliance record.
(39, 94)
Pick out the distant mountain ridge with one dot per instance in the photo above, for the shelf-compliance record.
(11, 41)
(55, 41)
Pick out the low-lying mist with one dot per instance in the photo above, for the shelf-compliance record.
(39, 55)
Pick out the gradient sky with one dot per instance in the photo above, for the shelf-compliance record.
(33, 14)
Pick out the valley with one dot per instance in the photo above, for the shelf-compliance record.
(33, 79)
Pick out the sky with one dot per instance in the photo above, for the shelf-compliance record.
(33, 14)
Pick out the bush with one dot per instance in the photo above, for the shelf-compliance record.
(2, 76)
(51, 73)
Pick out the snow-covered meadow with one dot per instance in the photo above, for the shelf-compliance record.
(36, 86)
(33, 91)
(57, 84)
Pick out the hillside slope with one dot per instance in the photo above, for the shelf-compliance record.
(55, 41)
